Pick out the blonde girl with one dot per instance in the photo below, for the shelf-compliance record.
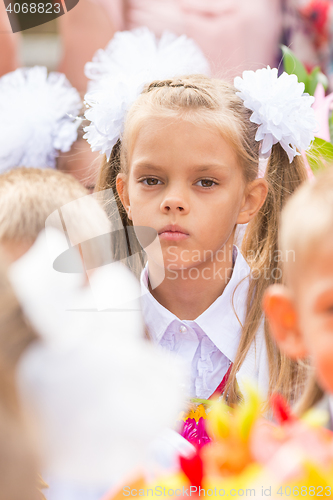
(187, 166)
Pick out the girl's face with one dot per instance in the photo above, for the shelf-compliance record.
(185, 182)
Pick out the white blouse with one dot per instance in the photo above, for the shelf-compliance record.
(209, 343)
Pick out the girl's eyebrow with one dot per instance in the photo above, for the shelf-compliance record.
(147, 166)
(213, 166)
(199, 168)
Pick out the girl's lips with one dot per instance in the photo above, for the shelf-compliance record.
(173, 235)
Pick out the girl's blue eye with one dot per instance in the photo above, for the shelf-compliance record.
(150, 181)
(206, 183)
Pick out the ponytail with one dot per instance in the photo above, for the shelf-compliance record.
(260, 248)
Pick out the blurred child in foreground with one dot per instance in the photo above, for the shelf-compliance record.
(300, 312)
(28, 196)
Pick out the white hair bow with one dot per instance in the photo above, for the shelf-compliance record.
(280, 108)
(119, 73)
(37, 117)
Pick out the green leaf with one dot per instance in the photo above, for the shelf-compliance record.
(314, 78)
(312, 82)
(201, 401)
(320, 154)
(293, 65)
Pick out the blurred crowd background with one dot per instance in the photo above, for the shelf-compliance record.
(234, 34)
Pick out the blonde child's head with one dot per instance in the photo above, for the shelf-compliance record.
(307, 227)
(28, 196)
(300, 311)
(195, 99)
(181, 123)
(208, 105)
(201, 101)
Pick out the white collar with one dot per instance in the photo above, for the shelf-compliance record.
(221, 322)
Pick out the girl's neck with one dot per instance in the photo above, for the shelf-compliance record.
(187, 293)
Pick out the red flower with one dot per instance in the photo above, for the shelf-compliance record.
(193, 469)
(281, 409)
(316, 14)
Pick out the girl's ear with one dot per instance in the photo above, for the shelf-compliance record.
(254, 198)
(121, 184)
(282, 317)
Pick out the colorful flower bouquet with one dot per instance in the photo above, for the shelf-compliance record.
(239, 453)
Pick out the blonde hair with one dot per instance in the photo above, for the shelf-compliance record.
(311, 396)
(18, 472)
(16, 335)
(214, 102)
(28, 196)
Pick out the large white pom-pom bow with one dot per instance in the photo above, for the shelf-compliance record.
(280, 108)
(119, 73)
(36, 117)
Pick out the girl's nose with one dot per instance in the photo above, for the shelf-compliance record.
(174, 203)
